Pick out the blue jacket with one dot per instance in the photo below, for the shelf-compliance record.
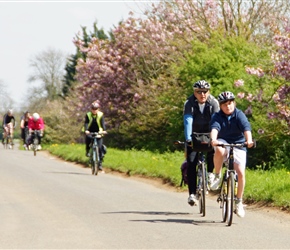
(231, 128)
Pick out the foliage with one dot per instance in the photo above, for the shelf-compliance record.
(48, 69)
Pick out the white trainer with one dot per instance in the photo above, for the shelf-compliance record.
(215, 183)
(240, 210)
(192, 200)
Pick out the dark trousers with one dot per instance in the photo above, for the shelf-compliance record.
(192, 158)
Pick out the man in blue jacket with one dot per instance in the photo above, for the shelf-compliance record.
(197, 112)
(230, 125)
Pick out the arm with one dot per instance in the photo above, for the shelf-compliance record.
(213, 135)
(187, 122)
(249, 140)
(22, 123)
(86, 125)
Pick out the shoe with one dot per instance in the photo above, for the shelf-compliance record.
(215, 183)
(87, 154)
(25, 147)
(192, 200)
(39, 147)
(210, 178)
(240, 210)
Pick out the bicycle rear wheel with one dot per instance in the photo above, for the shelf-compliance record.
(230, 198)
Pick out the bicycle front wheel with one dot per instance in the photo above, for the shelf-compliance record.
(203, 188)
(230, 198)
(96, 160)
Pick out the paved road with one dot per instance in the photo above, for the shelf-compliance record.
(46, 203)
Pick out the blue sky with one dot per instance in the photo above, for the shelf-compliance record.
(30, 27)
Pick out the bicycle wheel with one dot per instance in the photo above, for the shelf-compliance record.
(203, 188)
(223, 199)
(6, 143)
(230, 198)
(96, 160)
(92, 163)
(11, 143)
(35, 145)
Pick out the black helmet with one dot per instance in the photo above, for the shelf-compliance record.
(226, 96)
(201, 84)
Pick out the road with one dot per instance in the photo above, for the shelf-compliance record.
(46, 203)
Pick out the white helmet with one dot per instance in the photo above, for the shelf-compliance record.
(35, 116)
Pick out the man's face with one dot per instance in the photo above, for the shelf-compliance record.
(94, 111)
(201, 95)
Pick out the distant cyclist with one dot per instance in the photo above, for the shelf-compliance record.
(24, 127)
(8, 124)
(94, 122)
(230, 125)
(197, 113)
(35, 124)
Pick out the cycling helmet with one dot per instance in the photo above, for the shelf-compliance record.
(95, 105)
(201, 84)
(10, 111)
(226, 96)
(35, 116)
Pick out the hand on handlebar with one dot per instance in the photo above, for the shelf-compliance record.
(214, 143)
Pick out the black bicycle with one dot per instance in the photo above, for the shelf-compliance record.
(94, 159)
(201, 188)
(228, 189)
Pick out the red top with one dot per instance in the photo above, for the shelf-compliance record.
(36, 125)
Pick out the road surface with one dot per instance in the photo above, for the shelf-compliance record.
(46, 203)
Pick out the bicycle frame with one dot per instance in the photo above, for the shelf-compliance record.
(228, 193)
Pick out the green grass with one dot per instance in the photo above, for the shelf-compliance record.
(272, 188)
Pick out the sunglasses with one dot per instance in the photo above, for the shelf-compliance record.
(95, 108)
(201, 92)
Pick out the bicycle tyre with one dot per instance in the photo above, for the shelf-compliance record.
(6, 143)
(223, 205)
(95, 161)
(230, 198)
(204, 188)
(35, 144)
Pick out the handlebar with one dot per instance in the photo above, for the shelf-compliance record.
(97, 134)
(235, 145)
(178, 142)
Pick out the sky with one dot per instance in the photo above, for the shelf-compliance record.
(28, 28)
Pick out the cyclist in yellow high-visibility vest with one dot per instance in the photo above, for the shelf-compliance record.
(94, 122)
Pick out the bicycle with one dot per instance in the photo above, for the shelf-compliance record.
(8, 141)
(229, 185)
(35, 142)
(201, 188)
(94, 159)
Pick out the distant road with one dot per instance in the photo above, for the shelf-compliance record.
(46, 203)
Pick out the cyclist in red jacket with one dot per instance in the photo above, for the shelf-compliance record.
(35, 123)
